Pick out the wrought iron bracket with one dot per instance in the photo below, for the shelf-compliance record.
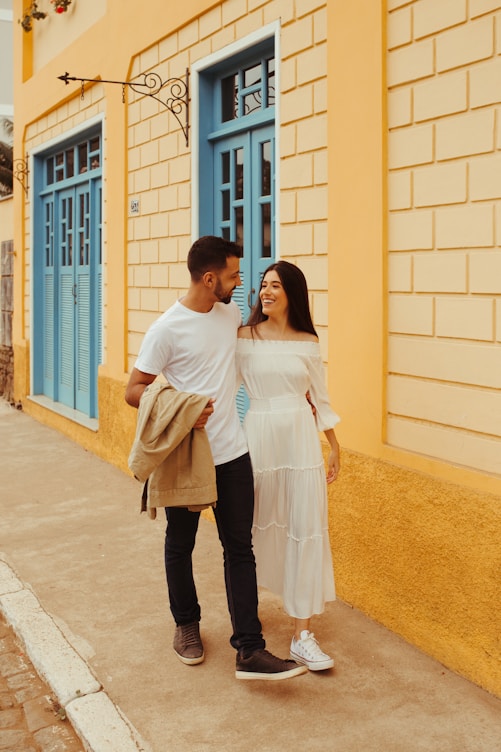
(151, 84)
(21, 172)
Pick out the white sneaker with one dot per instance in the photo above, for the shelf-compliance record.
(307, 651)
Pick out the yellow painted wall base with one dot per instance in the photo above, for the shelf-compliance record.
(117, 422)
(21, 371)
(422, 557)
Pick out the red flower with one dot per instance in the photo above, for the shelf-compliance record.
(59, 9)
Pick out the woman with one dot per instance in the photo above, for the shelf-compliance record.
(279, 361)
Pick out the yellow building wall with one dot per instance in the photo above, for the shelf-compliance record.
(416, 537)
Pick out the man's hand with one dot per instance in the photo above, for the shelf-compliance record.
(205, 414)
(308, 399)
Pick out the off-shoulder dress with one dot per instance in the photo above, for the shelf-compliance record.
(290, 530)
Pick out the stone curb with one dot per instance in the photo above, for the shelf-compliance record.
(97, 721)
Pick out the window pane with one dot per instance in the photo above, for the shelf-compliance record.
(82, 158)
(266, 230)
(59, 166)
(239, 173)
(229, 93)
(226, 205)
(266, 168)
(225, 167)
(239, 224)
(70, 167)
(252, 75)
(82, 249)
(252, 102)
(49, 260)
(50, 171)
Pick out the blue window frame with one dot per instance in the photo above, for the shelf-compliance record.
(237, 164)
(237, 158)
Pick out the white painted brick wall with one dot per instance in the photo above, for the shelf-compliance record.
(465, 135)
(470, 225)
(444, 229)
(410, 230)
(463, 407)
(411, 314)
(430, 16)
(443, 95)
(440, 272)
(400, 190)
(464, 318)
(400, 272)
(410, 146)
(399, 107)
(439, 184)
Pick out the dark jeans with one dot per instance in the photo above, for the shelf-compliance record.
(233, 512)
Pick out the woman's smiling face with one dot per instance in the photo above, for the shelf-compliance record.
(272, 295)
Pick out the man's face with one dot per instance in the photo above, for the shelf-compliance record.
(227, 279)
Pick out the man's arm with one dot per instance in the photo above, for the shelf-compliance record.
(138, 382)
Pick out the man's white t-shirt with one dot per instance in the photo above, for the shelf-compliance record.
(196, 354)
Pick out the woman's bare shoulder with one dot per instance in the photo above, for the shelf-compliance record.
(245, 332)
(307, 337)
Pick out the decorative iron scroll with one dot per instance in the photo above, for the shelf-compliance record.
(151, 84)
(21, 172)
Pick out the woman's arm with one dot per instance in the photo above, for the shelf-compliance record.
(333, 462)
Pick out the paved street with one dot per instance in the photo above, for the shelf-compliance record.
(31, 720)
(72, 534)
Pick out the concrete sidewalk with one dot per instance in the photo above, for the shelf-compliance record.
(82, 580)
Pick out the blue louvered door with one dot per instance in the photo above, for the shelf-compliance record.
(83, 302)
(47, 295)
(65, 334)
(68, 277)
(79, 272)
(244, 210)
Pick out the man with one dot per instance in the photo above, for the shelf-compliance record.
(193, 345)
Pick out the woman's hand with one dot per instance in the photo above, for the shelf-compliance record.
(333, 462)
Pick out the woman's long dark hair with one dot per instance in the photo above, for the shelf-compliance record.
(295, 287)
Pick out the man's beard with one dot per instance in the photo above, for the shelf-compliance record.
(223, 299)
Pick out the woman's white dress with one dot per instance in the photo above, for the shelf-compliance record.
(290, 531)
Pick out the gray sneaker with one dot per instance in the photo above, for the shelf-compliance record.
(263, 665)
(188, 645)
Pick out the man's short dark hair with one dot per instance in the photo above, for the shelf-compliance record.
(210, 253)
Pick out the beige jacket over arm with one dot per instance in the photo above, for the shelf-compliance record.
(169, 453)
